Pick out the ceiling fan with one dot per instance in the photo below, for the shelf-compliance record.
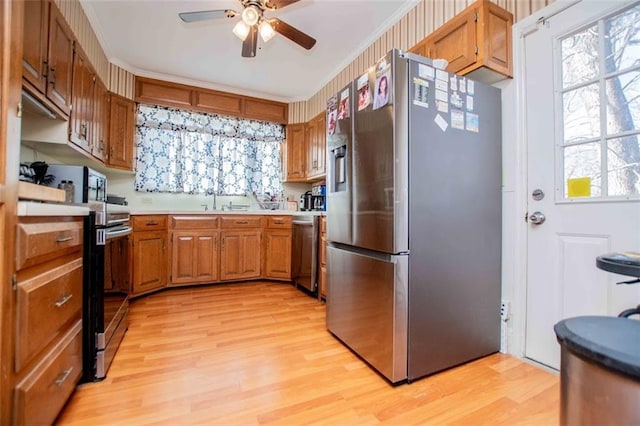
(253, 22)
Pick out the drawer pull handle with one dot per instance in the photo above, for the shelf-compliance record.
(63, 239)
(63, 377)
(278, 222)
(242, 222)
(64, 300)
(152, 223)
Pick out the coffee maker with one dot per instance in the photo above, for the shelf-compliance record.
(306, 201)
(318, 193)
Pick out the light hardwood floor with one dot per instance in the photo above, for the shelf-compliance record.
(259, 353)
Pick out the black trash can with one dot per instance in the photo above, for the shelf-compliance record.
(599, 371)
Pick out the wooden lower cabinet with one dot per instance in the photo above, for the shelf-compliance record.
(203, 249)
(194, 257)
(240, 254)
(149, 261)
(277, 264)
(40, 396)
(278, 238)
(47, 354)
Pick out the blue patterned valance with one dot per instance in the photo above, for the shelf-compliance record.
(197, 153)
(177, 119)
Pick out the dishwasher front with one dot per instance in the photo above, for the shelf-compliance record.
(304, 253)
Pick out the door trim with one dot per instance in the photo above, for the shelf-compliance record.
(517, 287)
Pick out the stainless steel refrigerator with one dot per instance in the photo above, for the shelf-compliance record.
(414, 217)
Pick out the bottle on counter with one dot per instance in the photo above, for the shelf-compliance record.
(69, 190)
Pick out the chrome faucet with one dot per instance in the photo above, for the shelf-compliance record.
(212, 192)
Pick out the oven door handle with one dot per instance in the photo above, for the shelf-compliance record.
(116, 221)
(118, 232)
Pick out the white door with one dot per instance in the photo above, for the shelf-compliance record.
(583, 122)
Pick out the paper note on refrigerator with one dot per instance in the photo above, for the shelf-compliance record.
(441, 122)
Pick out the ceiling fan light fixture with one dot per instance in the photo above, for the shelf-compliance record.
(250, 15)
(241, 30)
(266, 31)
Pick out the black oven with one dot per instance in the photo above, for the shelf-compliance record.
(106, 287)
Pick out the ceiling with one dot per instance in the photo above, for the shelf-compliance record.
(147, 38)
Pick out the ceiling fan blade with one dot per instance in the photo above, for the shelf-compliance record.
(279, 4)
(204, 15)
(293, 34)
(250, 43)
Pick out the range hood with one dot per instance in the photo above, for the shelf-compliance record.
(32, 105)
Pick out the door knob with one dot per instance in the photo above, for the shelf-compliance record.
(537, 218)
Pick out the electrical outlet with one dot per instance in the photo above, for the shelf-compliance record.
(505, 310)
(146, 200)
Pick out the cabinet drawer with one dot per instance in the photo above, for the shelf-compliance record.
(241, 222)
(42, 240)
(45, 303)
(279, 222)
(194, 222)
(149, 222)
(40, 396)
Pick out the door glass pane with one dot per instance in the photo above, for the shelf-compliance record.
(623, 103)
(580, 57)
(621, 40)
(623, 166)
(581, 109)
(582, 162)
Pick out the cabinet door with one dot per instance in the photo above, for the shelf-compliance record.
(456, 41)
(82, 102)
(240, 255)
(316, 147)
(60, 55)
(34, 55)
(121, 128)
(278, 254)
(149, 261)
(321, 146)
(296, 153)
(100, 120)
(194, 257)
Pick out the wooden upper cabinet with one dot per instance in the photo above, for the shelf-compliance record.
(456, 42)
(164, 93)
(157, 92)
(100, 120)
(121, 132)
(316, 147)
(47, 60)
(36, 36)
(80, 123)
(476, 42)
(60, 61)
(265, 110)
(218, 102)
(295, 153)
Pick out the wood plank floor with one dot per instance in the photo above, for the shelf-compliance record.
(259, 353)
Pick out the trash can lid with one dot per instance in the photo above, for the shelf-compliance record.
(624, 263)
(611, 342)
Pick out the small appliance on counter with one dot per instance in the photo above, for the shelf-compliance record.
(318, 193)
(306, 202)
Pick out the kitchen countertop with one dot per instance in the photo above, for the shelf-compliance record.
(30, 208)
(230, 212)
